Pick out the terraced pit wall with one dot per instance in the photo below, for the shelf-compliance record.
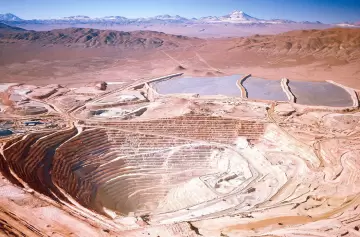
(32, 158)
(103, 167)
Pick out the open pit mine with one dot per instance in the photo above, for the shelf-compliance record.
(180, 156)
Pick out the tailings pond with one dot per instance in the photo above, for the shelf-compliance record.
(320, 93)
(306, 93)
(262, 89)
(199, 85)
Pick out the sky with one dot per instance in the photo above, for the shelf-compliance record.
(327, 11)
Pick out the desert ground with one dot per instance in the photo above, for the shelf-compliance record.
(106, 133)
(300, 55)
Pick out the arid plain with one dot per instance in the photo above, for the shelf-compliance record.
(312, 55)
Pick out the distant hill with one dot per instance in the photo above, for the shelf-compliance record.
(341, 43)
(7, 28)
(94, 38)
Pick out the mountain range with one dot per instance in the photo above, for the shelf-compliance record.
(236, 17)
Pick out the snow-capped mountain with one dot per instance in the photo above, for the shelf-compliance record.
(281, 21)
(349, 24)
(72, 18)
(168, 17)
(236, 17)
(209, 19)
(163, 18)
(109, 19)
(9, 17)
(114, 18)
(310, 22)
(239, 17)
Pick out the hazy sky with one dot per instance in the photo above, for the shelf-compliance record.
(327, 11)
